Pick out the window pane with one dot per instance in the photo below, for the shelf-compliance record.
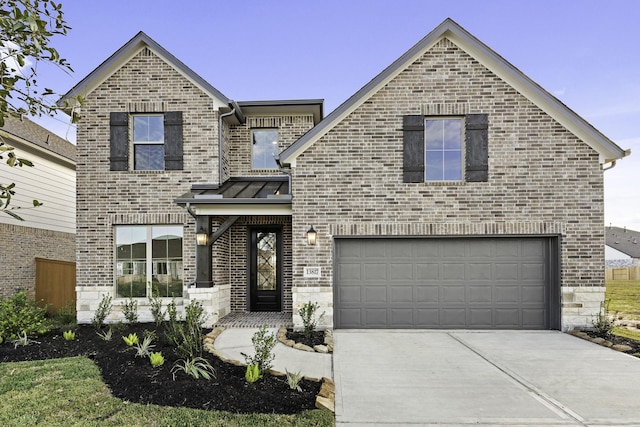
(265, 148)
(131, 279)
(452, 166)
(433, 134)
(148, 157)
(433, 166)
(148, 129)
(452, 135)
(131, 242)
(167, 260)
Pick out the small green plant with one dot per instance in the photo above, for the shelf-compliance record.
(20, 341)
(131, 339)
(197, 367)
(187, 337)
(263, 343)
(65, 318)
(156, 308)
(144, 349)
(102, 312)
(156, 359)
(308, 314)
(69, 335)
(293, 380)
(106, 335)
(130, 311)
(1, 339)
(602, 324)
(253, 373)
(19, 315)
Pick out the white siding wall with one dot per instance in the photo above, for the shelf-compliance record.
(49, 182)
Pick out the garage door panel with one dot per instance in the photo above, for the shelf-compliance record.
(401, 271)
(401, 317)
(480, 317)
(427, 293)
(533, 271)
(506, 294)
(507, 318)
(451, 271)
(482, 294)
(442, 283)
(347, 272)
(479, 272)
(453, 317)
(375, 294)
(376, 317)
(350, 294)
(506, 271)
(402, 295)
(427, 271)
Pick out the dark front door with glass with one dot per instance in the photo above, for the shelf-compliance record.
(265, 290)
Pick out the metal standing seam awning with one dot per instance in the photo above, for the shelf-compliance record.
(240, 196)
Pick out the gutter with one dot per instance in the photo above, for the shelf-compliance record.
(613, 165)
(220, 117)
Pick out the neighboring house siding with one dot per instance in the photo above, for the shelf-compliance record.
(290, 128)
(145, 84)
(47, 231)
(541, 179)
(49, 182)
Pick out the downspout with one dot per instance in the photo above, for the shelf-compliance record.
(613, 165)
(222, 116)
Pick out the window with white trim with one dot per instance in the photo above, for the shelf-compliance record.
(148, 142)
(148, 261)
(443, 149)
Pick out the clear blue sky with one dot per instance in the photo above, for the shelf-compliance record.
(585, 52)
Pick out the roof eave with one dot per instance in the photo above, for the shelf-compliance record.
(608, 150)
(124, 54)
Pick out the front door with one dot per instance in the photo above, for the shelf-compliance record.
(265, 290)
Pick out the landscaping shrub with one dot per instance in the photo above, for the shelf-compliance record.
(263, 344)
(130, 311)
(19, 315)
(602, 325)
(308, 314)
(104, 308)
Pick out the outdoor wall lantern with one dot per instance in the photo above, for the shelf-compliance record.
(311, 236)
(202, 238)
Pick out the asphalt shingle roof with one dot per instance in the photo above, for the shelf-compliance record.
(624, 240)
(30, 131)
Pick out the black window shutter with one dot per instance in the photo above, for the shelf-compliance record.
(119, 141)
(477, 147)
(173, 140)
(413, 148)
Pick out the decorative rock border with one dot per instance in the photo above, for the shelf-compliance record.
(327, 395)
(326, 348)
(601, 341)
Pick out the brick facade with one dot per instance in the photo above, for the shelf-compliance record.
(542, 179)
(19, 263)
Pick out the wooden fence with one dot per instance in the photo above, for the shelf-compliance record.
(623, 273)
(56, 283)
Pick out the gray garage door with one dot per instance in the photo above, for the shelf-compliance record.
(483, 283)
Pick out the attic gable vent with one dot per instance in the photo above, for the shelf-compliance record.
(146, 52)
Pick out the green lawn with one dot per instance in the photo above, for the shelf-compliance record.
(70, 392)
(624, 298)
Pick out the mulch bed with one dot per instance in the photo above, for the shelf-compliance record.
(316, 338)
(614, 339)
(133, 379)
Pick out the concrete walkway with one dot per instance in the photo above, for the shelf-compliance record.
(542, 378)
(234, 341)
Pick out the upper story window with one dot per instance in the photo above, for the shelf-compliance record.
(443, 149)
(264, 143)
(446, 149)
(148, 142)
(153, 141)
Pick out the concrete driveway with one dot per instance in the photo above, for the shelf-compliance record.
(541, 378)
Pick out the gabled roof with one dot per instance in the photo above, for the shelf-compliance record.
(449, 29)
(128, 51)
(21, 129)
(623, 240)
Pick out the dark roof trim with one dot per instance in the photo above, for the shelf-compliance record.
(607, 149)
(115, 61)
(243, 190)
(293, 106)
